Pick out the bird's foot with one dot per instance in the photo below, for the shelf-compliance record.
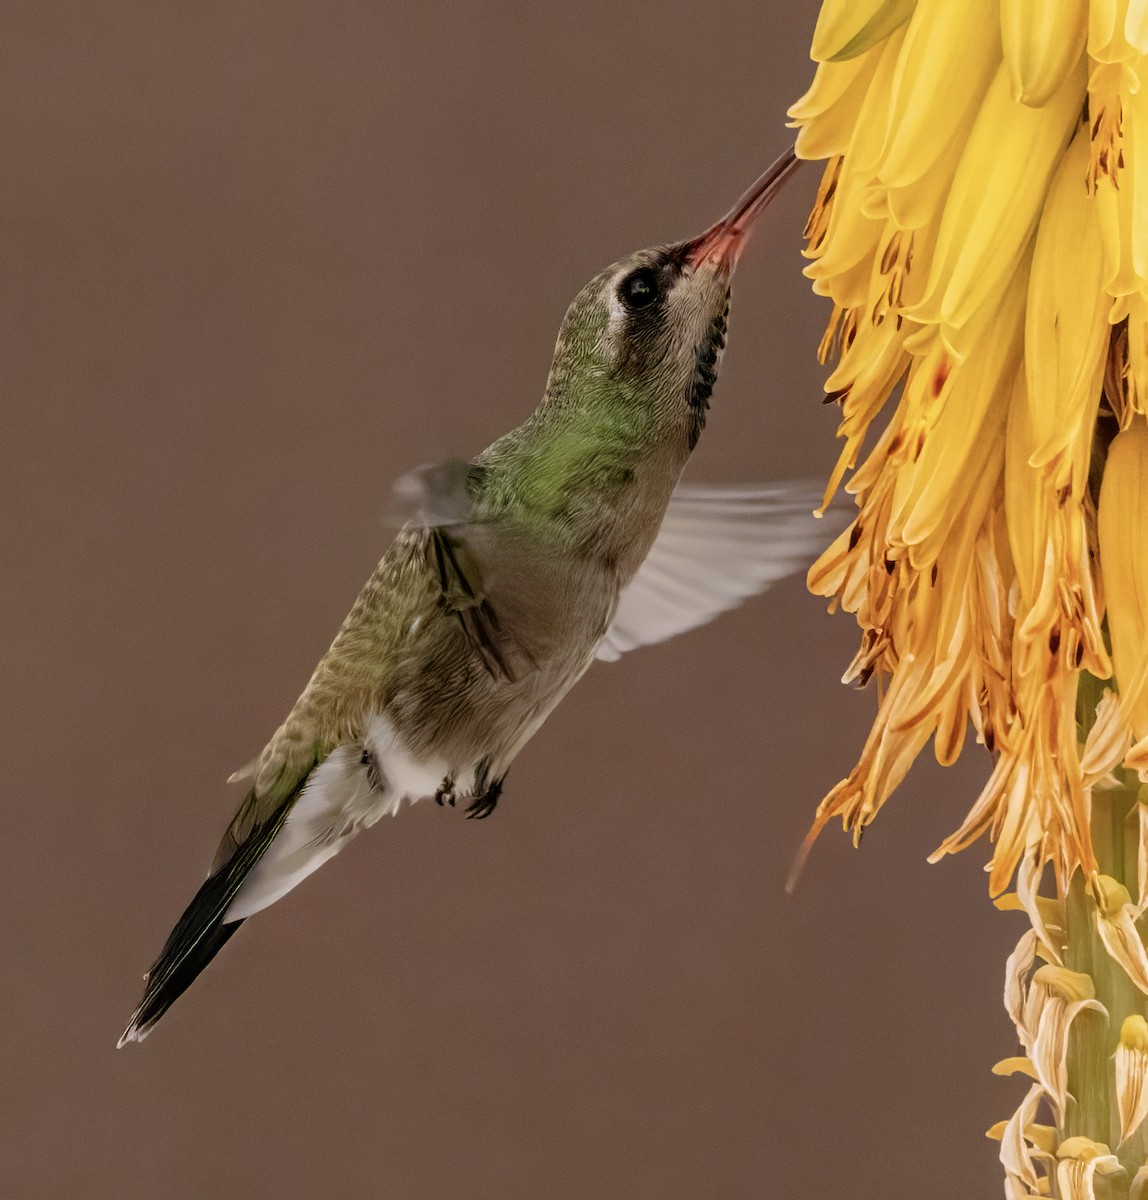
(483, 805)
(444, 794)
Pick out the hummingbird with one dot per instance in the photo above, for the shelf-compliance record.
(567, 540)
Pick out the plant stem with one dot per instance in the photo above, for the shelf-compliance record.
(1093, 1041)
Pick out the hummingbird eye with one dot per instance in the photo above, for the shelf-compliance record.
(639, 289)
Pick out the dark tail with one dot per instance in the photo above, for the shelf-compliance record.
(201, 932)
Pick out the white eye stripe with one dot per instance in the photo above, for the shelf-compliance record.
(617, 319)
(617, 314)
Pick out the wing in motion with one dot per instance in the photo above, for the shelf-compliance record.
(439, 498)
(716, 547)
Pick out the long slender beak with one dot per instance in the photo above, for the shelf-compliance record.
(721, 245)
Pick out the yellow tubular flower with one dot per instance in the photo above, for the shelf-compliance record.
(981, 230)
(1042, 41)
(1132, 1075)
(1123, 532)
(847, 28)
(1080, 1161)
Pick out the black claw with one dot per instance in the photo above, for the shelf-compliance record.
(445, 792)
(482, 806)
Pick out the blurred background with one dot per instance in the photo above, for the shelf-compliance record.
(256, 261)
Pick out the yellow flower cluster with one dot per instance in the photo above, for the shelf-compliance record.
(982, 231)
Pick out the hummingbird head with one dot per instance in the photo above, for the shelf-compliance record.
(647, 333)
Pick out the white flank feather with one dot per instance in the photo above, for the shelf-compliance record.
(339, 799)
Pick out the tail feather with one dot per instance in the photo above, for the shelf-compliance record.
(201, 931)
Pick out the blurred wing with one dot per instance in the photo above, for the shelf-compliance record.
(433, 495)
(438, 498)
(716, 547)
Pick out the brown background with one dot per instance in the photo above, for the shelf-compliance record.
(257, 260)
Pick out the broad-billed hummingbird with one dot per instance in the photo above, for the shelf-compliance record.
(569, 539)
